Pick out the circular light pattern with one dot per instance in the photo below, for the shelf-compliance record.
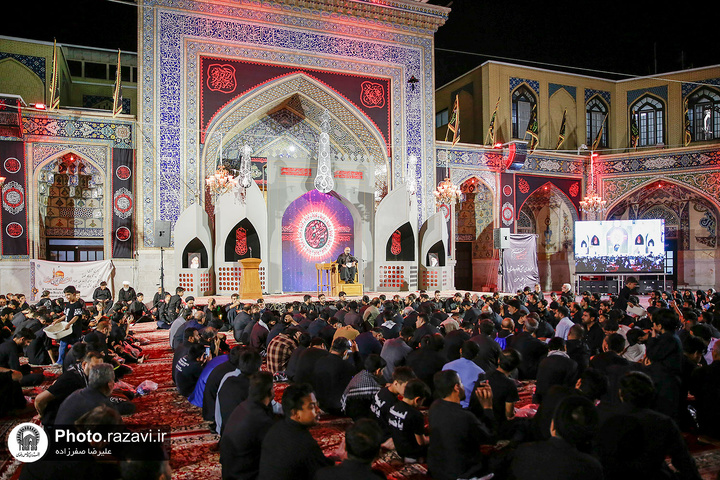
(315, 234)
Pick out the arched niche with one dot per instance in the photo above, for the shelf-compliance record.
(193, 238)
(232, 210)
(400, 246)
(396, 231)
(434, 238)
(243, 241)
(192, 249)
(550, 214)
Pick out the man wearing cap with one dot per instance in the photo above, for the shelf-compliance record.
(127, 294)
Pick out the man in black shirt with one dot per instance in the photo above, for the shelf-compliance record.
(574, 424)
(347, 265)
(289, 451)
(388, 396)
(126, 295)
(235, 386)
(455, 433)
(11, 350)
(555, 369)
(240, 445)
(72, 314)
(75, 378)
(332, 374)
(628, 289)
(102, 297)
(189, 368)
(594, 333)
(490, 350)
(407, 423)
(362, 443)
(532, 350)
(101, 381)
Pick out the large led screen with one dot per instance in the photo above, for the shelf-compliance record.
(620, 246)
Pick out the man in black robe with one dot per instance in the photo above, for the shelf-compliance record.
(348, 266)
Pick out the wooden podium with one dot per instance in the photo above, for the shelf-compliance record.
(328, 281)
(250, 287)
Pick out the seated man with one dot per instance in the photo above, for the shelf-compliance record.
(101, 381)
(331, 375)
(455, 433)
(407, 423)
(574, 423)
(347, 265)
(75, 378)
(634, 423)
(245, 430)
(10, 352)
(359, 394)
(189, 368)
(362, 443)
(289, 451)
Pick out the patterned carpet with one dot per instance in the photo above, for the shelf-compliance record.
(194, 451)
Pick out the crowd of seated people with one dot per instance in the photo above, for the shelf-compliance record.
(434, 379)
(439, 378)
(97, 350)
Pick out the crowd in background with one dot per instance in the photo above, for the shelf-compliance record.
(614, 382)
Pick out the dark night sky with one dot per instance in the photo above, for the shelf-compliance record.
(611, 36)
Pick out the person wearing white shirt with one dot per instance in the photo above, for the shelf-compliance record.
(564, 323)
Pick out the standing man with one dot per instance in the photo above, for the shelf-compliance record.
(348, 266)
(72, 313)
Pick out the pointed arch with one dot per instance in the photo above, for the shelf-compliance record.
(655, 179)
(18, 78)
(346, 118)
(523, 98)
(564, 197)
(649, 112)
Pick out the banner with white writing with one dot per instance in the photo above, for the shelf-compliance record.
(55, 276)
(520, 267)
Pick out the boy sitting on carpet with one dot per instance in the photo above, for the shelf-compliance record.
(407, 423)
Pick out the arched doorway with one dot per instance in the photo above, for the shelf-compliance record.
(72, 210)
(474, 238)
(550, 214)
(690, 228)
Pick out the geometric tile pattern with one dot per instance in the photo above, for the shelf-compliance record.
(170, 46)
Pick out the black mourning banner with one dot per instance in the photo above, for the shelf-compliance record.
(14, 199)
(123, 202)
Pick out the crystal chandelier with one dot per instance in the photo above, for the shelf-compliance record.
(222, 181)
(447, 192)
(592, 203)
